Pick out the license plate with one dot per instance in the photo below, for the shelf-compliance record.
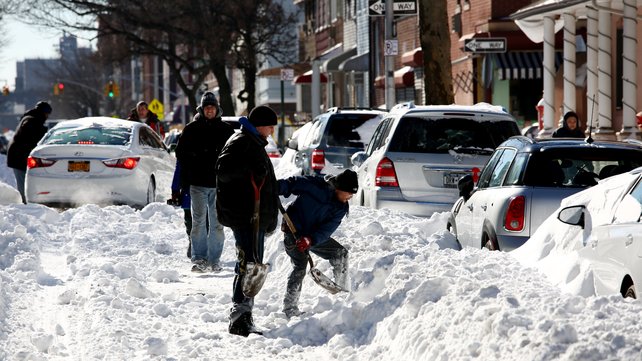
(82, 166)
(451, 179)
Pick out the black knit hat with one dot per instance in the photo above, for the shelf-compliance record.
(44, 107)
(345, 181)
(209, 99)
(262, 116)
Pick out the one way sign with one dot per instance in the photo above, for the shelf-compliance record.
(485, 45)
(399, 7)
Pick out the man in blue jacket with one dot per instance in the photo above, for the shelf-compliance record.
(316, 213)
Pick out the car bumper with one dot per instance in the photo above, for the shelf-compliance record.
(391, 197)
(509, 243)
(68, 191)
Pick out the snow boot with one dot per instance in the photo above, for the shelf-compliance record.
(243, 326)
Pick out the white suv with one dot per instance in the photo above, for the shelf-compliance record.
(418, 153)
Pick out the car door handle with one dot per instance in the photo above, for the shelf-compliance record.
(470, 207)
(483, 208)
(629, 240)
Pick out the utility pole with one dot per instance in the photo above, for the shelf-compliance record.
(389, 59)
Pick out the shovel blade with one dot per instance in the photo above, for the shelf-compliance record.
(325, 282)
(255, 275)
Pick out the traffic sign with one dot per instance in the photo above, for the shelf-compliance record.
(391, 48)
(157, 107)
(399, 7)
(485, 45)
(287, 74)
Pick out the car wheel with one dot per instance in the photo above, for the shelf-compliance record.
(151, 191)
(490, 243)
(630, 292)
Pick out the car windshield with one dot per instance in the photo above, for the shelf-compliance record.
(351, 130)
(579, 167)
(93, 134)
(461, 135)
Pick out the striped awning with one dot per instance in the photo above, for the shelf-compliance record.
(522, 64)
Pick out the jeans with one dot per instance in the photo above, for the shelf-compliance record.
(20, 182)
(245, 253)
(207, 242)
(330, 250)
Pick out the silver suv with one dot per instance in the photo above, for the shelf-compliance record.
(418, 153)
(333, 138)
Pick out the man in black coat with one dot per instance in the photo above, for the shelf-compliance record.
(29, 131)
(142, 114)
(245, 176)
(197, 151)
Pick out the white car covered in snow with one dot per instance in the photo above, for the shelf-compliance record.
(99, 160)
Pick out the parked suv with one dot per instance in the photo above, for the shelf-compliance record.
(524, 182)
(333, 138)
(418, 153)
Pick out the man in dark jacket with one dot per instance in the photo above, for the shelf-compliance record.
(244, 167)
(29, 131)
(142, 114)
(316, 213)
(197, 151)
(570, 127)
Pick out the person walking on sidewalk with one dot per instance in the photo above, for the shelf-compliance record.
(197, 151)
(242, 166)
(316, 213)
(28, 133)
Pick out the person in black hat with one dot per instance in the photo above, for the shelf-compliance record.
(29, 131)
(245, 178)
(316, 213)
(197, 150)
(570, 127)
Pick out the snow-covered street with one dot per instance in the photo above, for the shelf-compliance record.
(113, 283)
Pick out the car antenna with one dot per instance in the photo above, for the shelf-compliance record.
(589, 139)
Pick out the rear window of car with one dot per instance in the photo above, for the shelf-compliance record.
(462, 135)
(89, 135)
(351, 130)
(579, 167)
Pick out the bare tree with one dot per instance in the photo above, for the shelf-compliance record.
(435, 43)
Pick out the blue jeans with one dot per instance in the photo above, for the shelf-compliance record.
(207, 244)
(245, 253)
(20, 182)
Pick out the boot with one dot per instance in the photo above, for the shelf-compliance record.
(243, 326)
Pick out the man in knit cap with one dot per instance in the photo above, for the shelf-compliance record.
(245, 179)
(197, 151)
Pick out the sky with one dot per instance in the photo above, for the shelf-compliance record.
(113, 283)
(26, 41)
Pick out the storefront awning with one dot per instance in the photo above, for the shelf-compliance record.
(404, 78)
(333, 63)
(414, 58)
(522, 64)
(275, 72)
(358, 63)
(306, 78)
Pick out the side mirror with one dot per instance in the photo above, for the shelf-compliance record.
(573, 215)
(465, 185)
(293, 144)
(358, 158)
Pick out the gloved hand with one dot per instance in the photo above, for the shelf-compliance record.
(303, 244)
(176, 197)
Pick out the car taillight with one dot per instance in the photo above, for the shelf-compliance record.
(386, 175)
(34, 162)
(515, 214)
(274, 154)
(126, 163)
(318, 159)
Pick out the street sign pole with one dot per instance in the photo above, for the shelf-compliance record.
(389, 60)
(282, 127)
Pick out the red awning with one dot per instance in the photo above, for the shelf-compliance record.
(414, 58)
(306, 78)
(404, 78)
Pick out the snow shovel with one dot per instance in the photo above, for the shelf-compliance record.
(255, 273)
(318, 276)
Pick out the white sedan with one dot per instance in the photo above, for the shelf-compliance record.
(99, 160)
(613, 245)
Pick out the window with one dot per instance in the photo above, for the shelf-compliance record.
(379, 136)
(351, 130)
(484, 177)
(501, 168)
(92, 134)
(517, 170)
